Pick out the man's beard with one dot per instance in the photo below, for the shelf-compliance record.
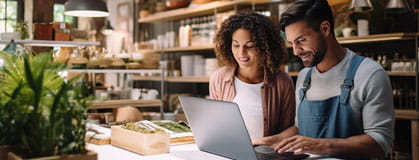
(317, 55)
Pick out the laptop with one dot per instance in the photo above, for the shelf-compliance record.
(218, 128)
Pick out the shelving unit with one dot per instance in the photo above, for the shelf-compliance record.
(187, 79)
(109, 104)
(47, 43)
(341, 40)
(204, 9)
(377, 38)
(123, 103)
(137, 71)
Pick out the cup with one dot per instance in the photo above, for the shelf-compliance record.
(347, 32)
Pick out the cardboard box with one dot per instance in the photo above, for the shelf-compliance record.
(145, 144)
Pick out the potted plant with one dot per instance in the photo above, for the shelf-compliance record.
(48, 112)
(22, 28)
(147, 7)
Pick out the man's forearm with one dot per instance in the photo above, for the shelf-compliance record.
(355, 146)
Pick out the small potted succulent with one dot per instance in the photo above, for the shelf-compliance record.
(41, 113)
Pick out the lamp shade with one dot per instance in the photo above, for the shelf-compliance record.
(361, 5)
(86, 8)
(107, 28)
(397, 6)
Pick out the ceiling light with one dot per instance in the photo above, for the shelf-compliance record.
(397, 6)
(86, 8)
(361, 5)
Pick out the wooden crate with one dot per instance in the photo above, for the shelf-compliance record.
(145, 144)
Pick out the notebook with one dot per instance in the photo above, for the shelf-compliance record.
(218, 128)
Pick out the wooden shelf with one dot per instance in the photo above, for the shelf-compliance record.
(293, 74)
(205, 79)
(402, 74)
(123, 103)
(146, 78)
(188, 49)
(47, 43)
(138, 71)
(410, 114)
(187, 79)
(200, 10)
(377, 38)
(341, 40)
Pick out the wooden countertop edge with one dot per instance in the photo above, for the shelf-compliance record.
(409, 114)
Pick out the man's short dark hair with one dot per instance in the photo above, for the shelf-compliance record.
(312, 11)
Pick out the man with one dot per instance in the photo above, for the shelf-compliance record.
(344, 101)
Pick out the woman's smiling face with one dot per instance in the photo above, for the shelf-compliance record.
(244, 49)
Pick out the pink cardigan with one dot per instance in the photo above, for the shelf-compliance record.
(278, 99)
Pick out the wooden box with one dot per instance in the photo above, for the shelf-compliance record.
(145, 144)
(89, 155)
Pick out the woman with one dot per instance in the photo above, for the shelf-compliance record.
(250, 47)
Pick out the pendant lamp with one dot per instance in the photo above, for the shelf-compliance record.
(107, 28)
(397, 6)
(361, 5)
(86, 8)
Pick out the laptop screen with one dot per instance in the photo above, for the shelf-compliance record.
(218, 127)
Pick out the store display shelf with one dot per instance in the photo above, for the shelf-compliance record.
(146, 78)
(341, 40)
(402, 74)
(188, 49)
(123, 103)
(188, 79)
(185, 79)
(410, 114)
(200, 10)
(293, 74)
(48, 43)
(377, 38)
(138, 71)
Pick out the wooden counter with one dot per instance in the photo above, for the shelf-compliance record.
(413, 116)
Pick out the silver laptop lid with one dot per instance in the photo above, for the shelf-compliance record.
(218, 127)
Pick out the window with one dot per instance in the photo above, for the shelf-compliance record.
(9, 14)
(59, 15)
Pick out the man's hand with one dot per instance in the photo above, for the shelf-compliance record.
(266, 141)
(300, 144)
(275, 139)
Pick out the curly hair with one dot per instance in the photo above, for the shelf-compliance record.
(268, 41)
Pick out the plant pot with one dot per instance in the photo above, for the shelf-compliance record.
(4, 150)
(89, 155)
(144, 13)
(160, 6)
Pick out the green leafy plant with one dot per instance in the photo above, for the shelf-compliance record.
(22, 28)
(41, 111)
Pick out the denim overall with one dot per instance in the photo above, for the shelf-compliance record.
(332, 117)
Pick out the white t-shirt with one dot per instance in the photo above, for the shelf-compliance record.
(249, 100)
